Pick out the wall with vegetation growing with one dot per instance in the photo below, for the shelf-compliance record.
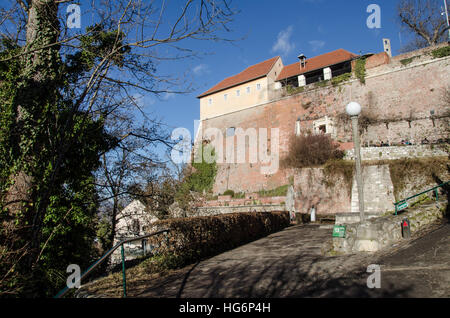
(399, 102)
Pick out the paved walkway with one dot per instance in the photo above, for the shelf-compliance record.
(289, 264)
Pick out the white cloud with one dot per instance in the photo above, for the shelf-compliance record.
(168, 96)
(283, 45)
(316, 45)
(200, 69)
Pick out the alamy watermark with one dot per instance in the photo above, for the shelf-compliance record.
(374, 19)
(74, 16)
(74, 279)
(239, 145)
(374, 280)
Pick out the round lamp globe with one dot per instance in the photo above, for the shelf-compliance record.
(353, 109)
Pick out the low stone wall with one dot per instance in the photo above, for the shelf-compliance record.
(397, 152)
(377, 233)
(249, 200)
(350, 218)
(217, 210)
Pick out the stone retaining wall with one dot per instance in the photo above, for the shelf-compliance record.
(397, 152)
(375, 234)
(211, 210)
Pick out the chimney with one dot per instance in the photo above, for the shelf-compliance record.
(387, 46)
(302, 59)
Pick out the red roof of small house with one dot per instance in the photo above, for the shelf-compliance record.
(250, 73)
(316, 62)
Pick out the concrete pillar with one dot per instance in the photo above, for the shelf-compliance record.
(301, 80)
(327, 73)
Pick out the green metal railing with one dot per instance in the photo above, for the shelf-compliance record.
(403, 204)
(105, 257)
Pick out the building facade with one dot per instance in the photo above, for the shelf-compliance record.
(403, 98)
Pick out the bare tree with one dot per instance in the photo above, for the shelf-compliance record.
(134, 161)
(96, 71)
(423, 19)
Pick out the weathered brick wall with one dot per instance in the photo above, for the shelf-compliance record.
(397, 102)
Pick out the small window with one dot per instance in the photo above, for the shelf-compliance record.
(258, 86)
(248, 90)
(210, 101)
(225, 96)
(135, 227)
(323, 129)
(297, 127)
(238, 93)
(230, 131)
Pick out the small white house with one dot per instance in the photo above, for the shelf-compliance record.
(131, 222)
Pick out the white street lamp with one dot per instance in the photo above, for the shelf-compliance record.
(353, 109)
(446, 18)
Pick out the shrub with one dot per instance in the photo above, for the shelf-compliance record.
(311, 150)
(340, 79)
(195, 238)
(229, 192)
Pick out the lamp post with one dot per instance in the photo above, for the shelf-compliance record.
(446, 18)
(353, 109)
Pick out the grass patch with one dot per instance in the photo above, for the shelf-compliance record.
(407, 61)
(290, 90)
(277, 192)
(441, 52)
(420, 200)
(420, 172)
(322, 83)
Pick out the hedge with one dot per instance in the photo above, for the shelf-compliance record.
(196, 238)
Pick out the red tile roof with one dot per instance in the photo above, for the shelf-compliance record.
(250, 73)
(316, 62)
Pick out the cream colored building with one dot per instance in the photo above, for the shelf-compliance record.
(260, 83)
(251, 87)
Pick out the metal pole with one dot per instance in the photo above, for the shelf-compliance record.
(446, 15)
(359, 181)
(124, 278)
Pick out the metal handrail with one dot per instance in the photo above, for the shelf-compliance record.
(63, 291)
(435, 189)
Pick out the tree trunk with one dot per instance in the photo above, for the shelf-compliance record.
(36, 89)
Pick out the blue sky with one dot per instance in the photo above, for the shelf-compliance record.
(286, 28)
(270, 28)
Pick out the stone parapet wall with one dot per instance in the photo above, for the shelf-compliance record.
(228, 201)
(217, 210)
(397, 152)
(378, 233)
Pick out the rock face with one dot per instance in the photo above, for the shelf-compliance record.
(377, 233)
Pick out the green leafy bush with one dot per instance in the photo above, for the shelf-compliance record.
(360, 70)
(195, 238)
